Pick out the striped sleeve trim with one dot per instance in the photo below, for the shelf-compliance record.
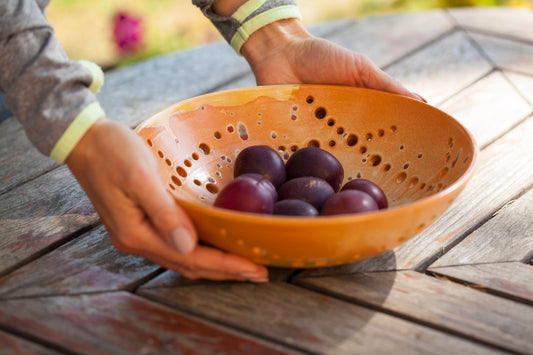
(261, 20)
(76, 131)
(247, 9)
(96, 73)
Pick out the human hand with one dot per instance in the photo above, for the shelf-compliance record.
(283, 52)
(121, 177)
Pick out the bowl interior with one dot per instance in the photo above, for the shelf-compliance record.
(415, 152)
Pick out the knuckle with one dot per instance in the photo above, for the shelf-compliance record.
(136, 176)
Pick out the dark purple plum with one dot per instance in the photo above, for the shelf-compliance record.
(349, 201)
(246, 194)
(312, 161)
(262, 160)
(310, 189)
(294, 207)
(370, 188)
(270, 186)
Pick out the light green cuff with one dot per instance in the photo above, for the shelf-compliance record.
(261, 20)
(75, 131)
(97, 74)
(247, 9)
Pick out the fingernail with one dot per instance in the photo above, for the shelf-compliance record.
(182, 240)
(254, 277)
(421, 98)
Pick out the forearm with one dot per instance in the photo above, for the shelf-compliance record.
(45, 90)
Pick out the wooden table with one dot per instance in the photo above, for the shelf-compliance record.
(464, 285)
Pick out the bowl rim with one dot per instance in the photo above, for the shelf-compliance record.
(282, 220)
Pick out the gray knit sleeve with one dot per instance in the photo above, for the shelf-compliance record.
(236, 28)
(44, 89)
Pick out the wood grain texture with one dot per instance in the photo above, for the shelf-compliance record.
(506, 54)
(511, 22)
(90, 263)
(136, 92)
(523, 83)
(19, 160)
(10, 344)
(373, 37)
(121, 323)
(37, 214)
(441, 69)
(511, 280)
(445, 305)
(307, 320)
(504, 170)
(488, 108)
(508, 236)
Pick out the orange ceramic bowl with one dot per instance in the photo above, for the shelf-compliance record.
(420, 156)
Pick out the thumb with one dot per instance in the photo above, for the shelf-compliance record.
(167, 217)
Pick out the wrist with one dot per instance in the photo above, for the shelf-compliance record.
(78, 155)
(227, 7)
(273, 38)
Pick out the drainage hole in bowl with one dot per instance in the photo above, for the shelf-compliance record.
(175, 180)
(204, 148)
(375, 160)
(320, 113)
(400, 177)
(181, 172)
(313, 143)
(211, 188)
(351, 140)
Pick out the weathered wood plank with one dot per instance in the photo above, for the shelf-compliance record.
(508, 236)
(90, 263)
(512, 280)
(307, 320)
(488, 108)
(442, 304)
(19, 160)
(523, 83)
(506, 54)
(121, 323)
(440, 70)
(10, 344)
(373, 36)
(504, 21)
(504, 170)
(35, 215)
(134, 93)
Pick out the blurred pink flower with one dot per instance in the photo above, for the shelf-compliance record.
(127, 32)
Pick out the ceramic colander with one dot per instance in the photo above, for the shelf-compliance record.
(420, 156)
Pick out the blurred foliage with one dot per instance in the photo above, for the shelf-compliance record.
(85, 27)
